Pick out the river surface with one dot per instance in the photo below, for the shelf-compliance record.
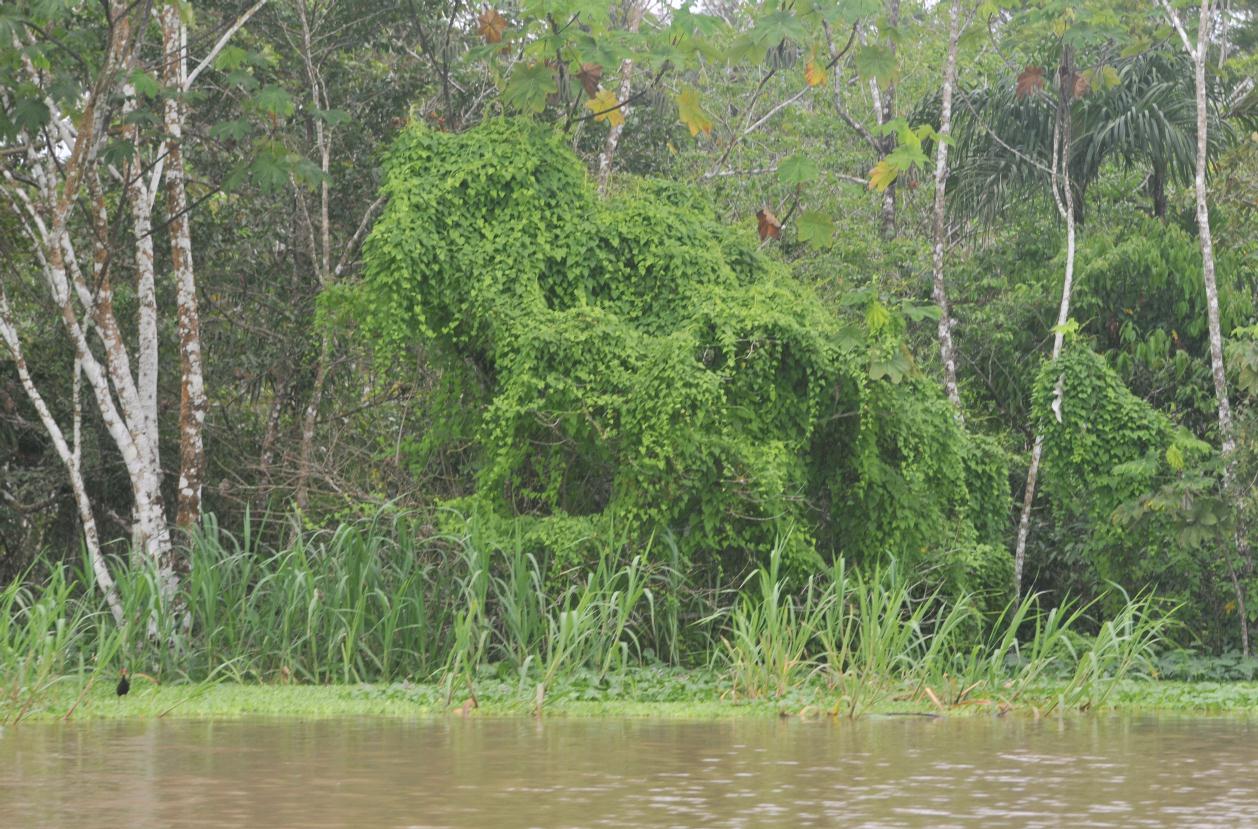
(502, 774)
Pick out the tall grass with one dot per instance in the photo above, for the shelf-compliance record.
(871, 636)
(385, 600)
(36, 634)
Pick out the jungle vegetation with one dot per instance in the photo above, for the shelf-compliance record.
(366, 340)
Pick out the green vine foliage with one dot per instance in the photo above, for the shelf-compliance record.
(1141, 491)
(646, 370)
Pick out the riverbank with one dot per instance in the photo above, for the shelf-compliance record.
(654, 698)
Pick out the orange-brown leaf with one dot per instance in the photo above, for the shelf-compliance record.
(589, 76)
(491, 25)
(814, 74)
(1031, 80)
(769, 226)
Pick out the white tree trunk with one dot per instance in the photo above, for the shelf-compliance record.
(192, 401)
(145, 280)
(633, 22)
(886, 106)
(947, 354)
(1063, 198)
(1227, 430)
(69, 458)
(44, 217)
(1199, 52)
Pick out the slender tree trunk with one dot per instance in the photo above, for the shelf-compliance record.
(70, 458)
(1157, 190)
(1063, 198)
(192, 401)
(310, 420)
(321, 255)
(145, 282)
(634, 20)
(1199, 52)
(886, 105)
(269, 437)
(61, 184)
(947, 355)
(1227, 431)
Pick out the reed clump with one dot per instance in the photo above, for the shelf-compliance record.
(386, 600)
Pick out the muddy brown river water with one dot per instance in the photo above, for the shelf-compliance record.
(558, 773)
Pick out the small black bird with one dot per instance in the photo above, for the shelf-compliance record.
(124, 684)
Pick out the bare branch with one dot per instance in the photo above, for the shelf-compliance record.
(222, 42)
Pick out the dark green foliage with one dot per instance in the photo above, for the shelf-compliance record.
(1137, 492)
(650, 371)
(1138, 295)
(986, 575)
(1142, 296)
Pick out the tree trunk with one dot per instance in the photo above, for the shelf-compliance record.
(1227, 432)
(947, 355)
(269, 437)
(69, 458)
(886, 104)
(192, 402)
(145, 282)
(633, 21)
(1157, 190)
(309, 422)
(1063, 198)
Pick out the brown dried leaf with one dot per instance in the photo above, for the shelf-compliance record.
(769, 226)
(1031, 80)
(589, 76)
(491, 25)
(1081, 85)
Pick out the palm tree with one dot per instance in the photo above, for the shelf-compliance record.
(1146, 120)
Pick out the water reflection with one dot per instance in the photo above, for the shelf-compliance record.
(555, 774)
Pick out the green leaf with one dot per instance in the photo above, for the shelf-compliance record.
(776, 27)
(30, 114)
(917, 313)
(892, 367)
(529, 87)
(877, 317)
(232, 57)
(274, 101)
(331, 117)
(797, 170)
(117, 152)
(815, 228)
(230, 130)
(691, 113)
(1067, 329)
(145, 86)
(853, 10)
(875, 61)
(242, 79)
